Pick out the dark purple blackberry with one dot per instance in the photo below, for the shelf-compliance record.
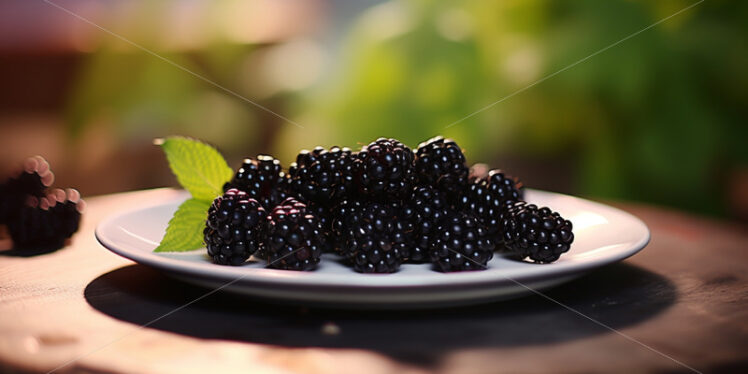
(538, 233)
(373, 238)
(235, 228)
(323, 177)
(486, 198)
(263, 179)
(384, 170)
(441, 163)
(295, 237)
(462, 244)
(46, 223)
(427, 206)
(32, 179)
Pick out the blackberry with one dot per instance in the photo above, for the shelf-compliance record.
(384, 169)
(462, 244)
(263, 179)
(323, 177)
(486, 198)
(295, 237)
(427, 206)
(375, 239)
(30, 180)
(538, 233)
(234, 229)
(45, 223)
(441, 163)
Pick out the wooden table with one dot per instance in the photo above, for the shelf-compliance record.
(685, 296)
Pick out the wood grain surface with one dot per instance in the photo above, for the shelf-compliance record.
(685, 296)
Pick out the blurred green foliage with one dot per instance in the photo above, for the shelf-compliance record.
(660, 117)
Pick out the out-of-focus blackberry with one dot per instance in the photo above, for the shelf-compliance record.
(32, 179)
(235, 228)
(426, 207)
(263, 179)
(323, 177)
(486, 198)
(462, 244)
(538, 233)
(295, 237)
(385, 170)
(45, 223)
(441, 163)
(374, 237)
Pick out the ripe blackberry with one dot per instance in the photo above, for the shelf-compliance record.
(426, 207)
(45, 223)
(263, 179)
(486, 198)
(441, 163)
(462, 244)
(323, 177)
(31, 180)
(538, 233)
(235, 227)
(374, 238)
(384, 169)
(295, 237)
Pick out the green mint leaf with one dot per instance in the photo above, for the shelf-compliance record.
(199, 168)
(185, 230)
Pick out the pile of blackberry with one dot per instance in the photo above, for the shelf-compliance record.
(38, 217)
(378, 208)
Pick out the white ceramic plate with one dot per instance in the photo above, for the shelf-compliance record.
(603, 235)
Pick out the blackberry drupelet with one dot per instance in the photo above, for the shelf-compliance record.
(295, 237)
(440, 162)
(263, 179)
(427, 207)
(235, 228)
(486, 198)
(45, 223)
(374, 239)
(538, 233)
(323, 177)
(384, 170)
(462, 244)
